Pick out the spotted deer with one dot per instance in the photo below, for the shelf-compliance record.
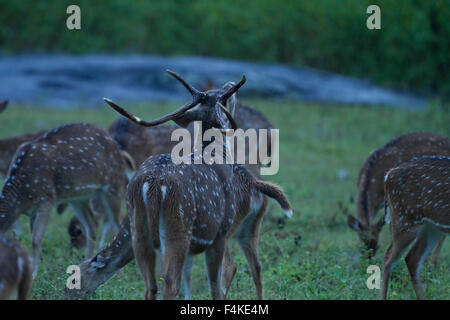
(72, 163)
(15, 270)
(371, 182)
(8, 147)
(417, 196)
(183, 210)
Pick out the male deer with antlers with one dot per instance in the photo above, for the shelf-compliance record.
(15, 270)
(371, 181)
(207, 202)
(142, 142)
(72, 163)
(417, 196)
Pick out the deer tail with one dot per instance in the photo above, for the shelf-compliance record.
(147, 204)
(275, 192)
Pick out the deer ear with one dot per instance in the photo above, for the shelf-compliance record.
(354, 223)
(3, 105)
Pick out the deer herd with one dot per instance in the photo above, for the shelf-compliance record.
(177, 211)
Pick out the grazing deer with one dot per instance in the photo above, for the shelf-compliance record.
(371, 181)
(207, 202)
(417, 196)
(72, 163)
(15, 270)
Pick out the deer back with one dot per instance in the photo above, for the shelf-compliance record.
(418, 191)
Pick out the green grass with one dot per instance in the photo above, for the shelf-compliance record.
(306, 257)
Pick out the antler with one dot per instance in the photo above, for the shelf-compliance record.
(193, 91)
(223, 98)
(166, 118)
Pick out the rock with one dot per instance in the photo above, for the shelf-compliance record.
(67, 80)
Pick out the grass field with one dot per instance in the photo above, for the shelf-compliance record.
(306, 257)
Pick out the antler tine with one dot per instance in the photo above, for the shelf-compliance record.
(166, 118)
(229, 116)
(232, 90)
(193, 91)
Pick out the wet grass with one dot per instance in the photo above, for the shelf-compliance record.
(306, 257)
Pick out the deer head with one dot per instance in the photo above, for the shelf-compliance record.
(367, 234)
(208, 107)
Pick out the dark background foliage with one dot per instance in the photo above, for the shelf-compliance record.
(411, 51)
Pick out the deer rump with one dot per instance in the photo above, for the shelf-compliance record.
(196, 206)
(175, 209)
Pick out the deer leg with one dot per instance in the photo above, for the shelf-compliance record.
(17, 229)
(214, 258)
(111, 204)
(84, 214)
(39, 222)
(437, 251)
(228, 271)
(146, 257)
(99, 212)
(175, 254)
(25, 283)
(187, 270)
(105, 231)
(248, 238)
(425, 242)
(399, 243)
(250, 248)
